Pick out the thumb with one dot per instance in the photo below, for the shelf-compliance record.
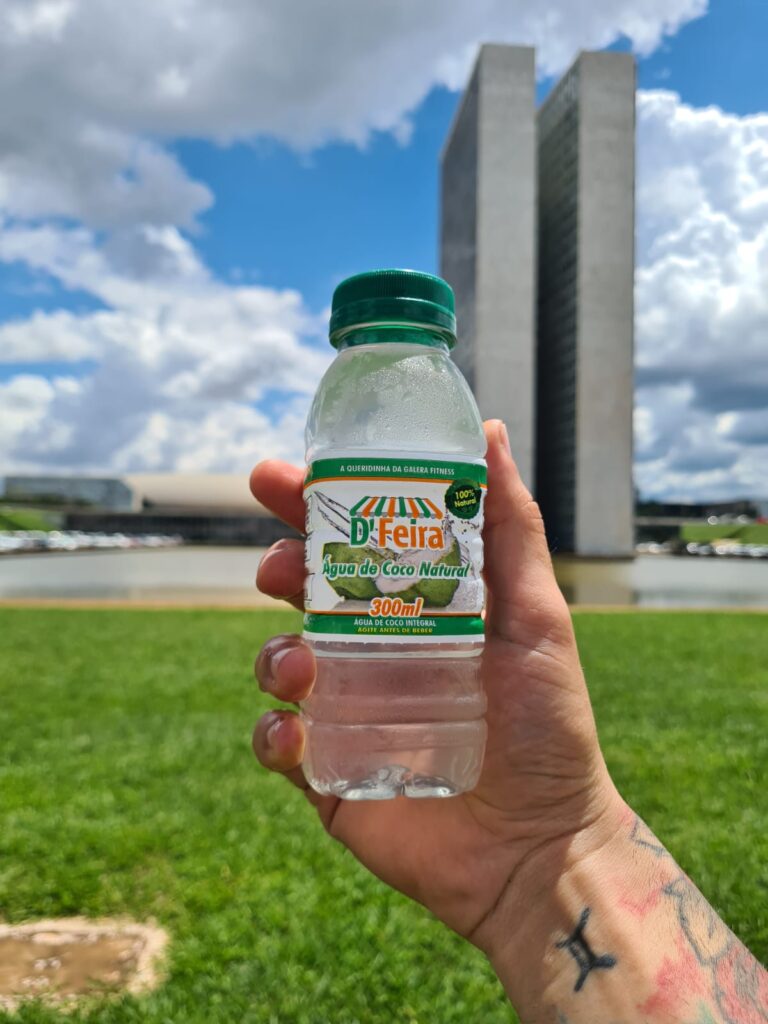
(523, 591)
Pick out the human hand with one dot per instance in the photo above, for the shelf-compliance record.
(544, 798)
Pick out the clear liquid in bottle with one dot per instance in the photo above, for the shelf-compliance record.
(394, 593)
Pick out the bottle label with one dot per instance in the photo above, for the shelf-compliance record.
(394, 550)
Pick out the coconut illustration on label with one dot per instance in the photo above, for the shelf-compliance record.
(408, 546)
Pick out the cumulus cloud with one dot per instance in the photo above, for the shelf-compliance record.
(746, 427)
(67, 425)
(94, 83)
(177, 355)
(702, 301)
(184, 368)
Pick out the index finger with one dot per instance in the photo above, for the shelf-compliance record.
(280, 488)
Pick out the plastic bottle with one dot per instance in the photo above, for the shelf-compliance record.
(395, 490)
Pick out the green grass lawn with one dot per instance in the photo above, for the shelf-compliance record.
(127, 786)
(754, 533)
(13, 518)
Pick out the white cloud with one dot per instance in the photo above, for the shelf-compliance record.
(93, 83)
(23, 402)
(92, 197)
(130, 267)
(749, 427)
(702, 301)
(45, 19)
(182, 361)
(229, 438)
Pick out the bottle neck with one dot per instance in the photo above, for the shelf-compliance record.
(402, 334)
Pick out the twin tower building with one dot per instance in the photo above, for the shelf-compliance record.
(537, 240)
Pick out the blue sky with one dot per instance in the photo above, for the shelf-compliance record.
(293, 220)
(302, 211)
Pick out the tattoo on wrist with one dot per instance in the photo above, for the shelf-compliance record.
(739, 983)
(706, 975)
(641, 835)
(582, 952)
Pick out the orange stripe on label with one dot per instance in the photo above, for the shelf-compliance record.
(433, 506)
(415, 512)
(392, 510)
(369, 507)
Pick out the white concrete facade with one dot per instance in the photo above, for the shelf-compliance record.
(537, 240)
(586, 134)
(605, 303)
(488, 239)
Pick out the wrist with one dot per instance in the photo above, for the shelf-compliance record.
(546, 896)
(618, 932)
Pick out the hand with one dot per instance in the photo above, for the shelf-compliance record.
(544, 797)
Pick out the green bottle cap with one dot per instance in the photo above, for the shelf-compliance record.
(384, 297)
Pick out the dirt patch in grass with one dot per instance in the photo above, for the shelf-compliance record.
(64, 960)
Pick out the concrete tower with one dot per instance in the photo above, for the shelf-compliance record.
(586, 174)
(488, 239)
(537, 241)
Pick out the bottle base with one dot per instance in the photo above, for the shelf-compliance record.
(387, 783)
(383, 762)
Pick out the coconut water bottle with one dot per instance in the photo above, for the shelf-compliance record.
(395, 487)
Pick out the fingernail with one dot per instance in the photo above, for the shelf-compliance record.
(269, 552)
(274, 661)
(272, 732)
(270, 665)
(504, 436)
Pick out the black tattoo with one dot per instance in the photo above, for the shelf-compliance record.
(582, 953)
(641, 835)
